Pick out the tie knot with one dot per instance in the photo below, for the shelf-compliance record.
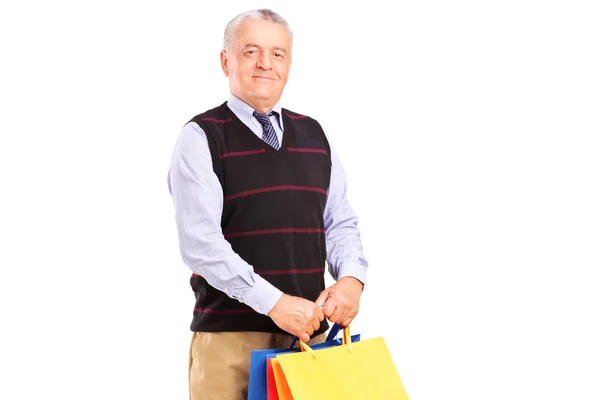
(263, 118)
(269, 135)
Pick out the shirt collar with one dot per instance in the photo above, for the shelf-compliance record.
(244, 111)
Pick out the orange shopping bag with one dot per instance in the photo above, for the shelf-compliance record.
(352, 371)
(271, 385)
(283, 390)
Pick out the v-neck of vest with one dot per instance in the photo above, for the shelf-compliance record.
(269, 149)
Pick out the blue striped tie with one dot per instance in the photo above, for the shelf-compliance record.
(269, 135)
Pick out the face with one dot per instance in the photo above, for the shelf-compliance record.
(258, 63)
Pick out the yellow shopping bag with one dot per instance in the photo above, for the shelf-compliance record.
(353, 371)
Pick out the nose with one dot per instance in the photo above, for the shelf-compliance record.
(264, 61)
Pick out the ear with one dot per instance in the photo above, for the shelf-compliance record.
(224, 62)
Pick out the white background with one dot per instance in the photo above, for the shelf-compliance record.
(469, 133)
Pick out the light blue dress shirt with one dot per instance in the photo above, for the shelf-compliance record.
(198, 201)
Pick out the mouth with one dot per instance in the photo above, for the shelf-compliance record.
(263, 77)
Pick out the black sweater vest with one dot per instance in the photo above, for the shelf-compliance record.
(272, 214)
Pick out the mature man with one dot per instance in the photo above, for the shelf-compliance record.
(260, 205)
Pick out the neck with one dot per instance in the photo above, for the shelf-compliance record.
(262, 106)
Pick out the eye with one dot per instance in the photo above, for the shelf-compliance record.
(279, 55)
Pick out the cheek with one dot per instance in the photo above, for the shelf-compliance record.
(248, 66)
(243, 68)
(284, 77)
(284, 72)
(246, 73)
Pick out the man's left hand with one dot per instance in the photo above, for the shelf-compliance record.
(341, 300)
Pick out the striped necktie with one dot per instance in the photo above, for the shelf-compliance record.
(269, 135)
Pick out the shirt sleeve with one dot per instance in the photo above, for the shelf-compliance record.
(345, 255)
(198, 201)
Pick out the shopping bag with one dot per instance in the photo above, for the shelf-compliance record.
(257, 383)
(283, 389)
(351, 371)
(271, 385)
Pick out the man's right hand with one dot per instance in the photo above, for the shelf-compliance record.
(297, 316)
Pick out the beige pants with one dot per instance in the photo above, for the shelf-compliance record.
(219, 365)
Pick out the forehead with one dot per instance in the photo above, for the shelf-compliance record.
(262, 33)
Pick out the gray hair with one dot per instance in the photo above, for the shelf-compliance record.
(264, 13)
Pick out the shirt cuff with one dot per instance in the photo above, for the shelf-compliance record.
(263, 296)
(354, 270)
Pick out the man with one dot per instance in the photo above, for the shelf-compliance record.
(260, 205)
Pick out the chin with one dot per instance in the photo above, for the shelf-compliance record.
(263, 95)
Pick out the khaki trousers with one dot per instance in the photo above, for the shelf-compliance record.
(219, 365)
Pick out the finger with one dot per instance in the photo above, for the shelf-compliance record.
(343, 316)
(305, 337)
(329, 307)
(336, 315)
(316, 324)
(347, 322)
(320, 314)
(349, 317)
(322, 298)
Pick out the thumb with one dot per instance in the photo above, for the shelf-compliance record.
(322, 298)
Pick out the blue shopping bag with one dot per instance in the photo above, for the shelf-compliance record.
(257, 384)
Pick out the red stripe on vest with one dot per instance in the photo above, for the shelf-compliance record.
(292, 271)
(279, 230)
(303, 150)
(219, 121)
(242, 153)
(296, 116)
(275, 188)
(213, 311)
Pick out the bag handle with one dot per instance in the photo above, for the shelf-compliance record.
(331, 336)
(334, 332)
(346, 340)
